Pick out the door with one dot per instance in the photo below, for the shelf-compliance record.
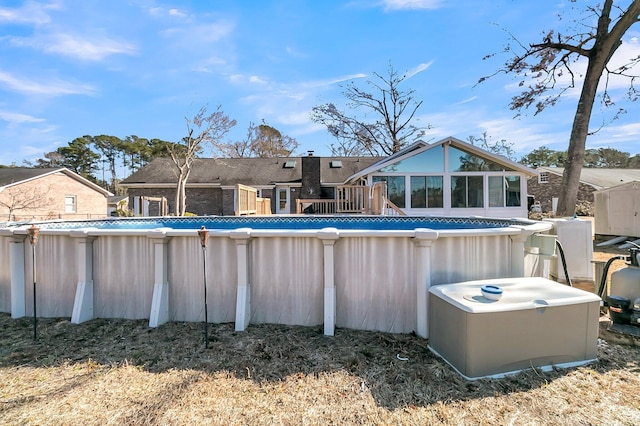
(282, 200)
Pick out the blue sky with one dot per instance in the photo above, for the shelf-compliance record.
(70, 68)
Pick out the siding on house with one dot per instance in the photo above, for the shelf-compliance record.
(545, 192)
(50, 191)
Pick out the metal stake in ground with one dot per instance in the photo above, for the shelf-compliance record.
(33, 238)
(204, 237)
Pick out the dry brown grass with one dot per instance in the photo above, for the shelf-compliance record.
(122, 372)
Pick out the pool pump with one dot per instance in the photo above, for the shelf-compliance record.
(624, 299)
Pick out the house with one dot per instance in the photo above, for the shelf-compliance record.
(117, 203)
(51, 193)
(451, 178)
(448, 178)
(212, 185)
(545, 188)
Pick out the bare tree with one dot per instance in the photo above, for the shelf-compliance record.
(390, 127)
(501, 147)
(15, 199)
(202, 129)
(542, 68)
(262, 141)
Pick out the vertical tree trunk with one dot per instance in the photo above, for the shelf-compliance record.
(575, 154)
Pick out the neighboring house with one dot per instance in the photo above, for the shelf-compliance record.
(546, 187)
(54, 193)
(449, 177)
(211, 188)
(117, 202)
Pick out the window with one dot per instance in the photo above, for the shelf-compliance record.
(395, 188)
(418, 192)
(435, 192)
(512, 187)
(426, 192)
(496, 191)
(543, 177)
(69, 203)
(431, 160)
(504, 191)
(461, 161)
(467, 191)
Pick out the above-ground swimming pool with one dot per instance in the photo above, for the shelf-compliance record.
(360, 272)
(372, 223)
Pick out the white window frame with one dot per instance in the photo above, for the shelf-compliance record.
(70, 207)
(543, 177)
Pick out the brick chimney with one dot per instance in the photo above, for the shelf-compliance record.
(310, 177)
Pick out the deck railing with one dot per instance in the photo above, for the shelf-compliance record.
(263, 206)
(246, 202)
(316, 206)
(352, 199)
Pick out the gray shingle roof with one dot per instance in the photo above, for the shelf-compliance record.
(11, 175)
(247, 171)
(601, 178)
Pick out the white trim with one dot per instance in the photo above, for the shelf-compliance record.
(171, 185)
(412, 150)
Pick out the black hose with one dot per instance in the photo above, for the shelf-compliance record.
(564, 263)
(605, 271)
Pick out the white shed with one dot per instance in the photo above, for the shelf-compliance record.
(616, 210)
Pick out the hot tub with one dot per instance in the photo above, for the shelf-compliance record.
(536, 323)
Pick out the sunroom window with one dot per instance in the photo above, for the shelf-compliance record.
(461, 161)
(395, 188)
(426, 192)
(504, 191)
(467, 191)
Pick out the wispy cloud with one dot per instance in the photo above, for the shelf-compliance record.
(31, 13)
(295, 53)
(417, 70)
(334, 80)
(52, 87)
(177, 12)
(411, 4)
(75, 46)
(17, 118)
(466, 101)
(204, 33)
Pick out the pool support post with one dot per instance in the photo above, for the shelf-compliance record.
(83, 302)
(424, 238)
(329, 236)
(16, 266)
(160, 302)
(242, 236)
(517, 251)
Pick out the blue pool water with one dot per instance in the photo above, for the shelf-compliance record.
(377, 223)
